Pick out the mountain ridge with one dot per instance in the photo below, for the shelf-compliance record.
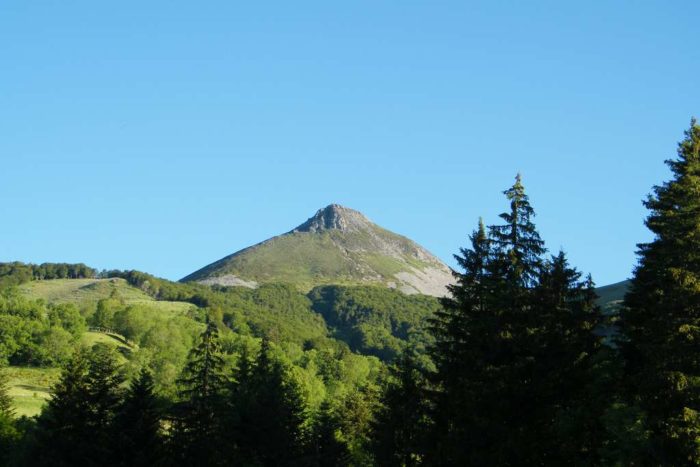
(337, 245)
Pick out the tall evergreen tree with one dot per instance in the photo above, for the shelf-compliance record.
(104, 396)
(456, 354)
(518, 245)
(567, 388)
(400, 423)
(328, 449)
(268, 413)
(5, 399)
(198, 425)
(63, 435)
(76, 427)
(9, 435)
(138, 425)
(507, 342)
(661, 318)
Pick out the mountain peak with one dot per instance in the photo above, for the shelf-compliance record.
(335, 217)
(337, 245)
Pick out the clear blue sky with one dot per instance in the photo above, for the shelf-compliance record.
(161, 136)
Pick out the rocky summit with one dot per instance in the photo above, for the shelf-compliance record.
(337, 245)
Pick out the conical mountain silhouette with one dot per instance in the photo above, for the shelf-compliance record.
(337, 245)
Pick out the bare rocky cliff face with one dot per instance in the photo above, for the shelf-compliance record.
(336, 217)
(337, 245)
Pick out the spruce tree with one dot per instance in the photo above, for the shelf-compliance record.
(62, 434)
(400, 423)
(198, 424)
(9, 435)
(268, 413)
(138, 424)
(328, 450)
(5, 399)
(104, 396)
(660, 321)
(566, 383)
(514, 345)
(456, 354)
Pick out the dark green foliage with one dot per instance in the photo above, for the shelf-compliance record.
(197, 427)
(10, 438)
(271, 309)
(465, 333)
(76, 428)
(268, 413)
(514, 353)
(661, 319)
(401, 421)
(375, 320)
(63, 435)
(9, 435)
(104, 397)
(327, 449)
(5, 400)
(138, 425)
(358, 408)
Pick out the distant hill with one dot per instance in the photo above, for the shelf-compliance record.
(337, 245)
(610, 297)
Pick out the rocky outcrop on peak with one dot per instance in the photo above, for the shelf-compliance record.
(337, 217)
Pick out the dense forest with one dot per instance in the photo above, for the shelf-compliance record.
(509, 369)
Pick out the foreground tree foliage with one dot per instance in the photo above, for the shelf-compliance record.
(661, 318)
(77, 426)
(138, 425)
(197, 426)
(267, 413)
(399, 427)
(514, 350)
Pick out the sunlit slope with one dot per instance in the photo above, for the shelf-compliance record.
(336, 246)
(84, 291)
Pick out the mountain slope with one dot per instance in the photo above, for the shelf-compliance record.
(337, 245)
(610, 296)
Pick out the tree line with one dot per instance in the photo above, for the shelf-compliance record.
(17, 273)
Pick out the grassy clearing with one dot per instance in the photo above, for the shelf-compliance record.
(116, 341)
(90, 291)
(29, 388)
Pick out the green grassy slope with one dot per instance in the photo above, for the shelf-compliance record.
(29, 387)
(84, 291)
(310, 259)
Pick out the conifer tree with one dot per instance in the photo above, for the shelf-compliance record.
(567, 353)
(269, 413)
(514, 344)
(328, 449)
(198, 425)
(518, 245)
(9, 435)
(5, 399)
(62, 429)
(138, 424)
(400, 423)
(661, 318)
(104, 396)
(456, 354)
